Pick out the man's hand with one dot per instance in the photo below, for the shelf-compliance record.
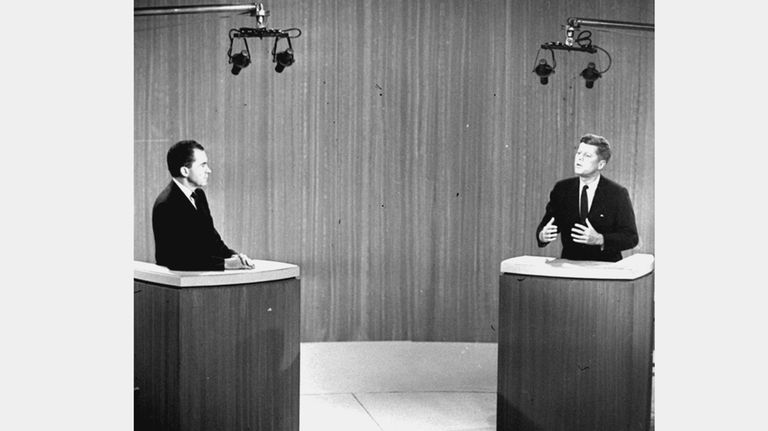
(586, 234)
(246, 260)
(238, 261)
(548, 232)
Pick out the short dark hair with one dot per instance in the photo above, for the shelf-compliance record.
(603, 147)
(181, 154)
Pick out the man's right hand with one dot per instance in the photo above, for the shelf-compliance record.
(548, 232)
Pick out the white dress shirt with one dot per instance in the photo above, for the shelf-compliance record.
(590, 191)
(187, 192)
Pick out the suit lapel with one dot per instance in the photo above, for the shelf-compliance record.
(573, 197)
(180, 198)
(202, 202)
(597, 199)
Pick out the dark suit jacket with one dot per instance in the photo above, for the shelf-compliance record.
(185, 238)
(611, 215)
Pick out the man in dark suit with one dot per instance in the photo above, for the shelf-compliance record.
(592, 213)
(185, 238)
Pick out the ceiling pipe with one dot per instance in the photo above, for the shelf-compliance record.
(174, 10)
(578, 22)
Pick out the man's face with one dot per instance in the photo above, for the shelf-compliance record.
(586, 163)
(199, 170)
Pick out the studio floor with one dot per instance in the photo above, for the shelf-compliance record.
(398, 386)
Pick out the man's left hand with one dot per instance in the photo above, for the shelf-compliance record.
(245, 260)
(586, 234)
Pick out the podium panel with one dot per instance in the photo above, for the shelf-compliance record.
(575, 345)
(216, 350)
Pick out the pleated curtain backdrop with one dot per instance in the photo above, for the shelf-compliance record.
(406, 153)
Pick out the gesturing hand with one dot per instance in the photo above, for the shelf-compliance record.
(548, 232)
(586, 234)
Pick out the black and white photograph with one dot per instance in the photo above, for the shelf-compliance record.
(433, 215)
(367, 215)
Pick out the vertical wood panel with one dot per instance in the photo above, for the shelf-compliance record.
(407, 152)
(156, 357)
(237, 341)
(221, 357)
(575, 354)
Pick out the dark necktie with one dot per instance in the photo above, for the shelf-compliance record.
(193, 195)
(584, 204)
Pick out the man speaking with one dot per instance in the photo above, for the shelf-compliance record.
(185, 238)
(592, 214)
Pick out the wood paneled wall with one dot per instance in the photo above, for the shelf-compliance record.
(407, 152)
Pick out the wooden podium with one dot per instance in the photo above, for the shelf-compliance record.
(575, 344)
(216, 350)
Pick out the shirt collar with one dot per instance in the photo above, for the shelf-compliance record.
(184, 189)
(592, 185)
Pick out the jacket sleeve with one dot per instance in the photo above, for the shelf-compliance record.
(624, 235)
(220, 248)
(216, 244)
(178, 247)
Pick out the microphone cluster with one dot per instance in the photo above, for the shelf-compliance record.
(583, 44)
(241, 60)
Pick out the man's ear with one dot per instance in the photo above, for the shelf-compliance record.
(184, 171)
(601, 164)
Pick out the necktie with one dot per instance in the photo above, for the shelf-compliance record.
(584, 204)
(193, 195)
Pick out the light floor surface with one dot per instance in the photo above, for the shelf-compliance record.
(398, 386)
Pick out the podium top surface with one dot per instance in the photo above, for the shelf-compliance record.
(265, 270)
(631, 268)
